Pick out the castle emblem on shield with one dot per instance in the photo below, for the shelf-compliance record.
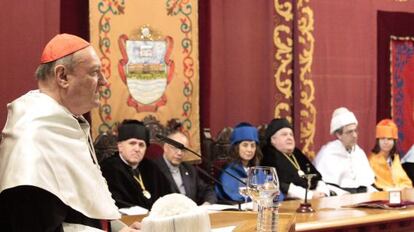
(146, 68)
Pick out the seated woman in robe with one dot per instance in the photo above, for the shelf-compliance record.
(244, 153)
(291, 164)
(384, 159)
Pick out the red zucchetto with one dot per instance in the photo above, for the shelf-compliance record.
(62, 45)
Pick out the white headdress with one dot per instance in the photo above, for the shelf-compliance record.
(342, 117)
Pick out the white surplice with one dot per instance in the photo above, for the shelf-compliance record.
(44, 145)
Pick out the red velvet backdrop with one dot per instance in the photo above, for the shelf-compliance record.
(236, 56)
(236, 46)
(402, 84)
(74, 18)
(345, 64)
(26, 26)
(390, 24)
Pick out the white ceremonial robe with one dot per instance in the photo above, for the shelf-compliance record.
(347, 170)
(43, 145)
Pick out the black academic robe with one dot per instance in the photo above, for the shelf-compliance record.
(195, 188)
(125, 189)
(29, 208)
(286, 171)
(409, 169)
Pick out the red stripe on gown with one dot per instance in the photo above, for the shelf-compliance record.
(105, 225)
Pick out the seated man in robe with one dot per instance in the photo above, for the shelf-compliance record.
(49, 175)
(133, 180)
(183, 177)
(291, 164)
(342, 163)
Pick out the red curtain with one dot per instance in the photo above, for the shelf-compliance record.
(402, 84)
(74, 18)
(26, 26)
(236, 62)
(396, 24)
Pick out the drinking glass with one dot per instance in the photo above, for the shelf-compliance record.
(263, 187)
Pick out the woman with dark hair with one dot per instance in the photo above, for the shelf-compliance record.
(244, 153)
(385, 160)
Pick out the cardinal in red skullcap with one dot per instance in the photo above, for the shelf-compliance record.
(62, 45)
(50, 179)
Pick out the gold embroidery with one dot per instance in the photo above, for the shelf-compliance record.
(283, 41)
(307, 89)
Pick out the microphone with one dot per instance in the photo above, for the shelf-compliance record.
(181, 146)
(171, 142)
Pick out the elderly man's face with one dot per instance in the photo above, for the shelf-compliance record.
(283, 140)
(82, 91)
(173, 154)
(132, 150)
(349, 136)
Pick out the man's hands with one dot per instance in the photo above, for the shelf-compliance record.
(317, 194)
(134, 227)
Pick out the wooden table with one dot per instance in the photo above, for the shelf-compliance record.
(244, 221)
(330, 216)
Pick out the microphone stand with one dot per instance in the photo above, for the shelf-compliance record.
(209, 176)
(306, 207)
(220, 169)
(182, 147)
(221, 184)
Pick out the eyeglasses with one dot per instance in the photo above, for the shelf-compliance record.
(176, 150)
(351, 132)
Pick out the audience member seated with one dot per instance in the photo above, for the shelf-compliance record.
(384, 159)
(183, 177)
(291, 164)
(244, 153)
(342, 163)
(132, 179)
(408, 163)
(106, 143)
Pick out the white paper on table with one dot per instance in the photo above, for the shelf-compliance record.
(134, 210)
(219, 207)
(247, 206)
(224, 229)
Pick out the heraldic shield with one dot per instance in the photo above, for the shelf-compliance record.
(146, 68)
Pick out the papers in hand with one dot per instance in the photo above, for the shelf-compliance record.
(134, 210)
